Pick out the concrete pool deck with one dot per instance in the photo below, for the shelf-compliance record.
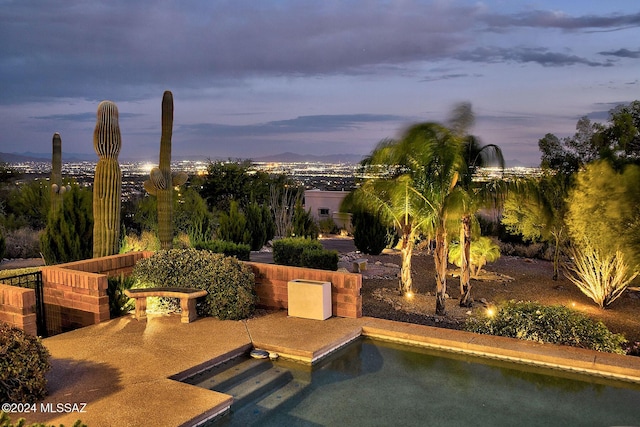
(125, 371)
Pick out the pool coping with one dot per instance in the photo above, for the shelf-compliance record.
(112, 365)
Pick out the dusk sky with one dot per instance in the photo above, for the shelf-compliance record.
(255, 78)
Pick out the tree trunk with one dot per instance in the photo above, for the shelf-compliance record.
(440, 259)
(556, 257)
(406, 251)
(465, 279)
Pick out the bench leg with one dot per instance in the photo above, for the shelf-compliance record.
(189, 313)
(141, 309)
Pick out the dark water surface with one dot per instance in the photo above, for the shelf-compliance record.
(372, 383)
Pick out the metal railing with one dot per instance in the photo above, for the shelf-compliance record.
(31, 281)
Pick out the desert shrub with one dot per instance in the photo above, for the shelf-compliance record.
(229, 283)
(526, 250)
(320, 259)
(24, 362)
(147, 241)
(370, 235)
(5, 421)
(601, 277)
(240, 251)
(181, 241)
(22, 243)
(119, 303)
(551, 324)
(328, 226)
(288, 251)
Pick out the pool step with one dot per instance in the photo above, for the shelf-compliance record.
(281, 395)
(254, 412)
(224, 376)
(256, 386)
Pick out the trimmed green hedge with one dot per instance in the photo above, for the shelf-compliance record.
(238, 250)
(229, 283)
(288, 251)
(320, 259)
(301, 252)
(551, 324)
(24, 362)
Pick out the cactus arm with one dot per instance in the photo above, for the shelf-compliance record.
(157, 178)
(179, 178)
(149, 187)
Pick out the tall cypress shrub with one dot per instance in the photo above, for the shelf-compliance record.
(68, 235)
(260, 225)
(370, 235)
(233, 225)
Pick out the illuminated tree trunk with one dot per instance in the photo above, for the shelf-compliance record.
(465, 256)
(406, 251)
(556, 255)
(440, 258)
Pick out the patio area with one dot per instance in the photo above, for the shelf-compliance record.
(126, 371)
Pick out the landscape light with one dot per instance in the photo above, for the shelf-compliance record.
(491, 312)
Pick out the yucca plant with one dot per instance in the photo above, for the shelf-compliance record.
(600, 276)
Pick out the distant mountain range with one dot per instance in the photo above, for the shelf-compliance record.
(287, 157)
(43, 157)
(283, 157)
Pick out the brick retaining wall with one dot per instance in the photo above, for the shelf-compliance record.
(75, 293)
(271, 287)
(18, 308)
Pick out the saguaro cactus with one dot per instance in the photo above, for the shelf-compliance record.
(161, 180)
(57, 190)
(107, 185)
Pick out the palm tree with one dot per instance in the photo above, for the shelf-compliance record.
(394, 196)
(483, 250)
(475, 156)
(437, 165)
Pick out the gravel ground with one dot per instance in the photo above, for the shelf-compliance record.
(509, 278)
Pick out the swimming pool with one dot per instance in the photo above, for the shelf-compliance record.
(377, 383)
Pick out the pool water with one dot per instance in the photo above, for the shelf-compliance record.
(373, 383)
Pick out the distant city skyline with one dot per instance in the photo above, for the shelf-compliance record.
(254, 79)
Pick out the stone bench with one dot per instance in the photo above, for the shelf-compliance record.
(187, 298)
